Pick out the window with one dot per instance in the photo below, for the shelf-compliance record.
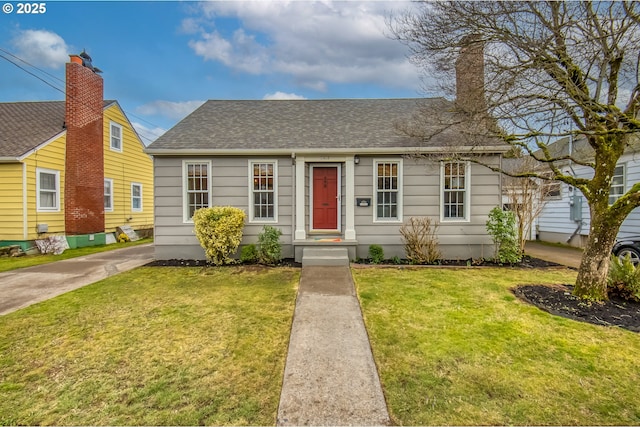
(48, 190)
(388, 185)
(136, 197)
(196, 184)
(108, 195)
(263, 191)
(455, 190)
(617, 184)
(115, 136)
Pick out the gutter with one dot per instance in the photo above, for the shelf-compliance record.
(489, 149)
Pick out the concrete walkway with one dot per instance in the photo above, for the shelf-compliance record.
(330, 377)
(26, 286)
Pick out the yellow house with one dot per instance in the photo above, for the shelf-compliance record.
(47, 190)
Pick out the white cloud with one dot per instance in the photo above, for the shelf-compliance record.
(314, 42)
(147, 134)
(169, 109)
(282, 95)
(41, 48)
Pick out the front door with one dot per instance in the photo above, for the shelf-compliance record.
(325, 198)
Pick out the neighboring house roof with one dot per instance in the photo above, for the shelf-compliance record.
(313, 125)
(26, 125)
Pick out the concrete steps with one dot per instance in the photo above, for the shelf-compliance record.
(325, 256)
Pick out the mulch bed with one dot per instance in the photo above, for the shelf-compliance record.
(559, 300)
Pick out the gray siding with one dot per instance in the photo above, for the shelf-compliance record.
(175, 238)
(422, 198)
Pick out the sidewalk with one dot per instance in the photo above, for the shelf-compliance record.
(26, 286)
(330, 377)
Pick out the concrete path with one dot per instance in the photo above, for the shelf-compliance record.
(23, 287)
(562, 255)
(330, 377)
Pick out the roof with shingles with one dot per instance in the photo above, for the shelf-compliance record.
(321, 125)
(26, 125)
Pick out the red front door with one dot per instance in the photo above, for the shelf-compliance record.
(325, 198)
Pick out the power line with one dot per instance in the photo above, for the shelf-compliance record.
(29, 72)
(63, 90)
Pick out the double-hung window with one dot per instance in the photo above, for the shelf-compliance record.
(388, 185)
(136, 197)
(108, 195)
(196, 176)
(48, 190)
(263, 191)
(455, 191)
(115, 136)
(617, 184)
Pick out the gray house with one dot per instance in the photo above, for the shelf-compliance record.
(339, 173)
(326, 173)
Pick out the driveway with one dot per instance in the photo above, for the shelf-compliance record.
(559, 254)
(23, 287)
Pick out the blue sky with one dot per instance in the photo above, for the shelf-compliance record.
(161, 60)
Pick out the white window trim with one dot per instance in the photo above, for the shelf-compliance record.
(110, 209)
(141, 208)
(467, 195)
(185, 185)
(113, 124)
(252, 218)
(624, 181)
(40, 208)
(375, 190)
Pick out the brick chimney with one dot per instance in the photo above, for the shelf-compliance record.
(84, 166)
(470, 76)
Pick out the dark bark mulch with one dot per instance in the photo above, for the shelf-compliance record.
(287, 262)
(527, 262)
(559, 300)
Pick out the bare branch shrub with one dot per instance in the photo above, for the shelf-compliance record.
(420, 242)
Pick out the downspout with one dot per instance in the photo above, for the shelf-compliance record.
(575, 233)
(293, 201)
(25, 217)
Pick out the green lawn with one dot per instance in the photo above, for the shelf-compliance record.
(455, 347)
(12, 263)
(153, 346)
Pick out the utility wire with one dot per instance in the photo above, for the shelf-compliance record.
(62, 90)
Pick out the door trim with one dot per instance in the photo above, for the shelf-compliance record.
(338, 167)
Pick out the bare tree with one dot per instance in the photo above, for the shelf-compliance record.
(526, 196)
(552, 69)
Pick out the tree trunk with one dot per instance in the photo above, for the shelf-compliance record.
(591, 283)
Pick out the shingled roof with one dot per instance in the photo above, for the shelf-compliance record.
(309, 125)
(26, 125)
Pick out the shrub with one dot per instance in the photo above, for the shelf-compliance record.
(249, 254)
(376, 254)
(624, 279)
(270, 249)
(219, 230)
(420, 242)
(123, 238)
(501, 225)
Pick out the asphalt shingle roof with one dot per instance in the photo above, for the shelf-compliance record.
(308, 124)
(26, 125)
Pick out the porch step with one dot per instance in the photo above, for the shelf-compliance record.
(325, 256)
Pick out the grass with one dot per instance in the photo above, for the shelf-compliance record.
(153, 346)
(455, 347)
(12, 263)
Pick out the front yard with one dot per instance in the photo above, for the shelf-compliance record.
(455, 347)
(154, 346)
(195, 346)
